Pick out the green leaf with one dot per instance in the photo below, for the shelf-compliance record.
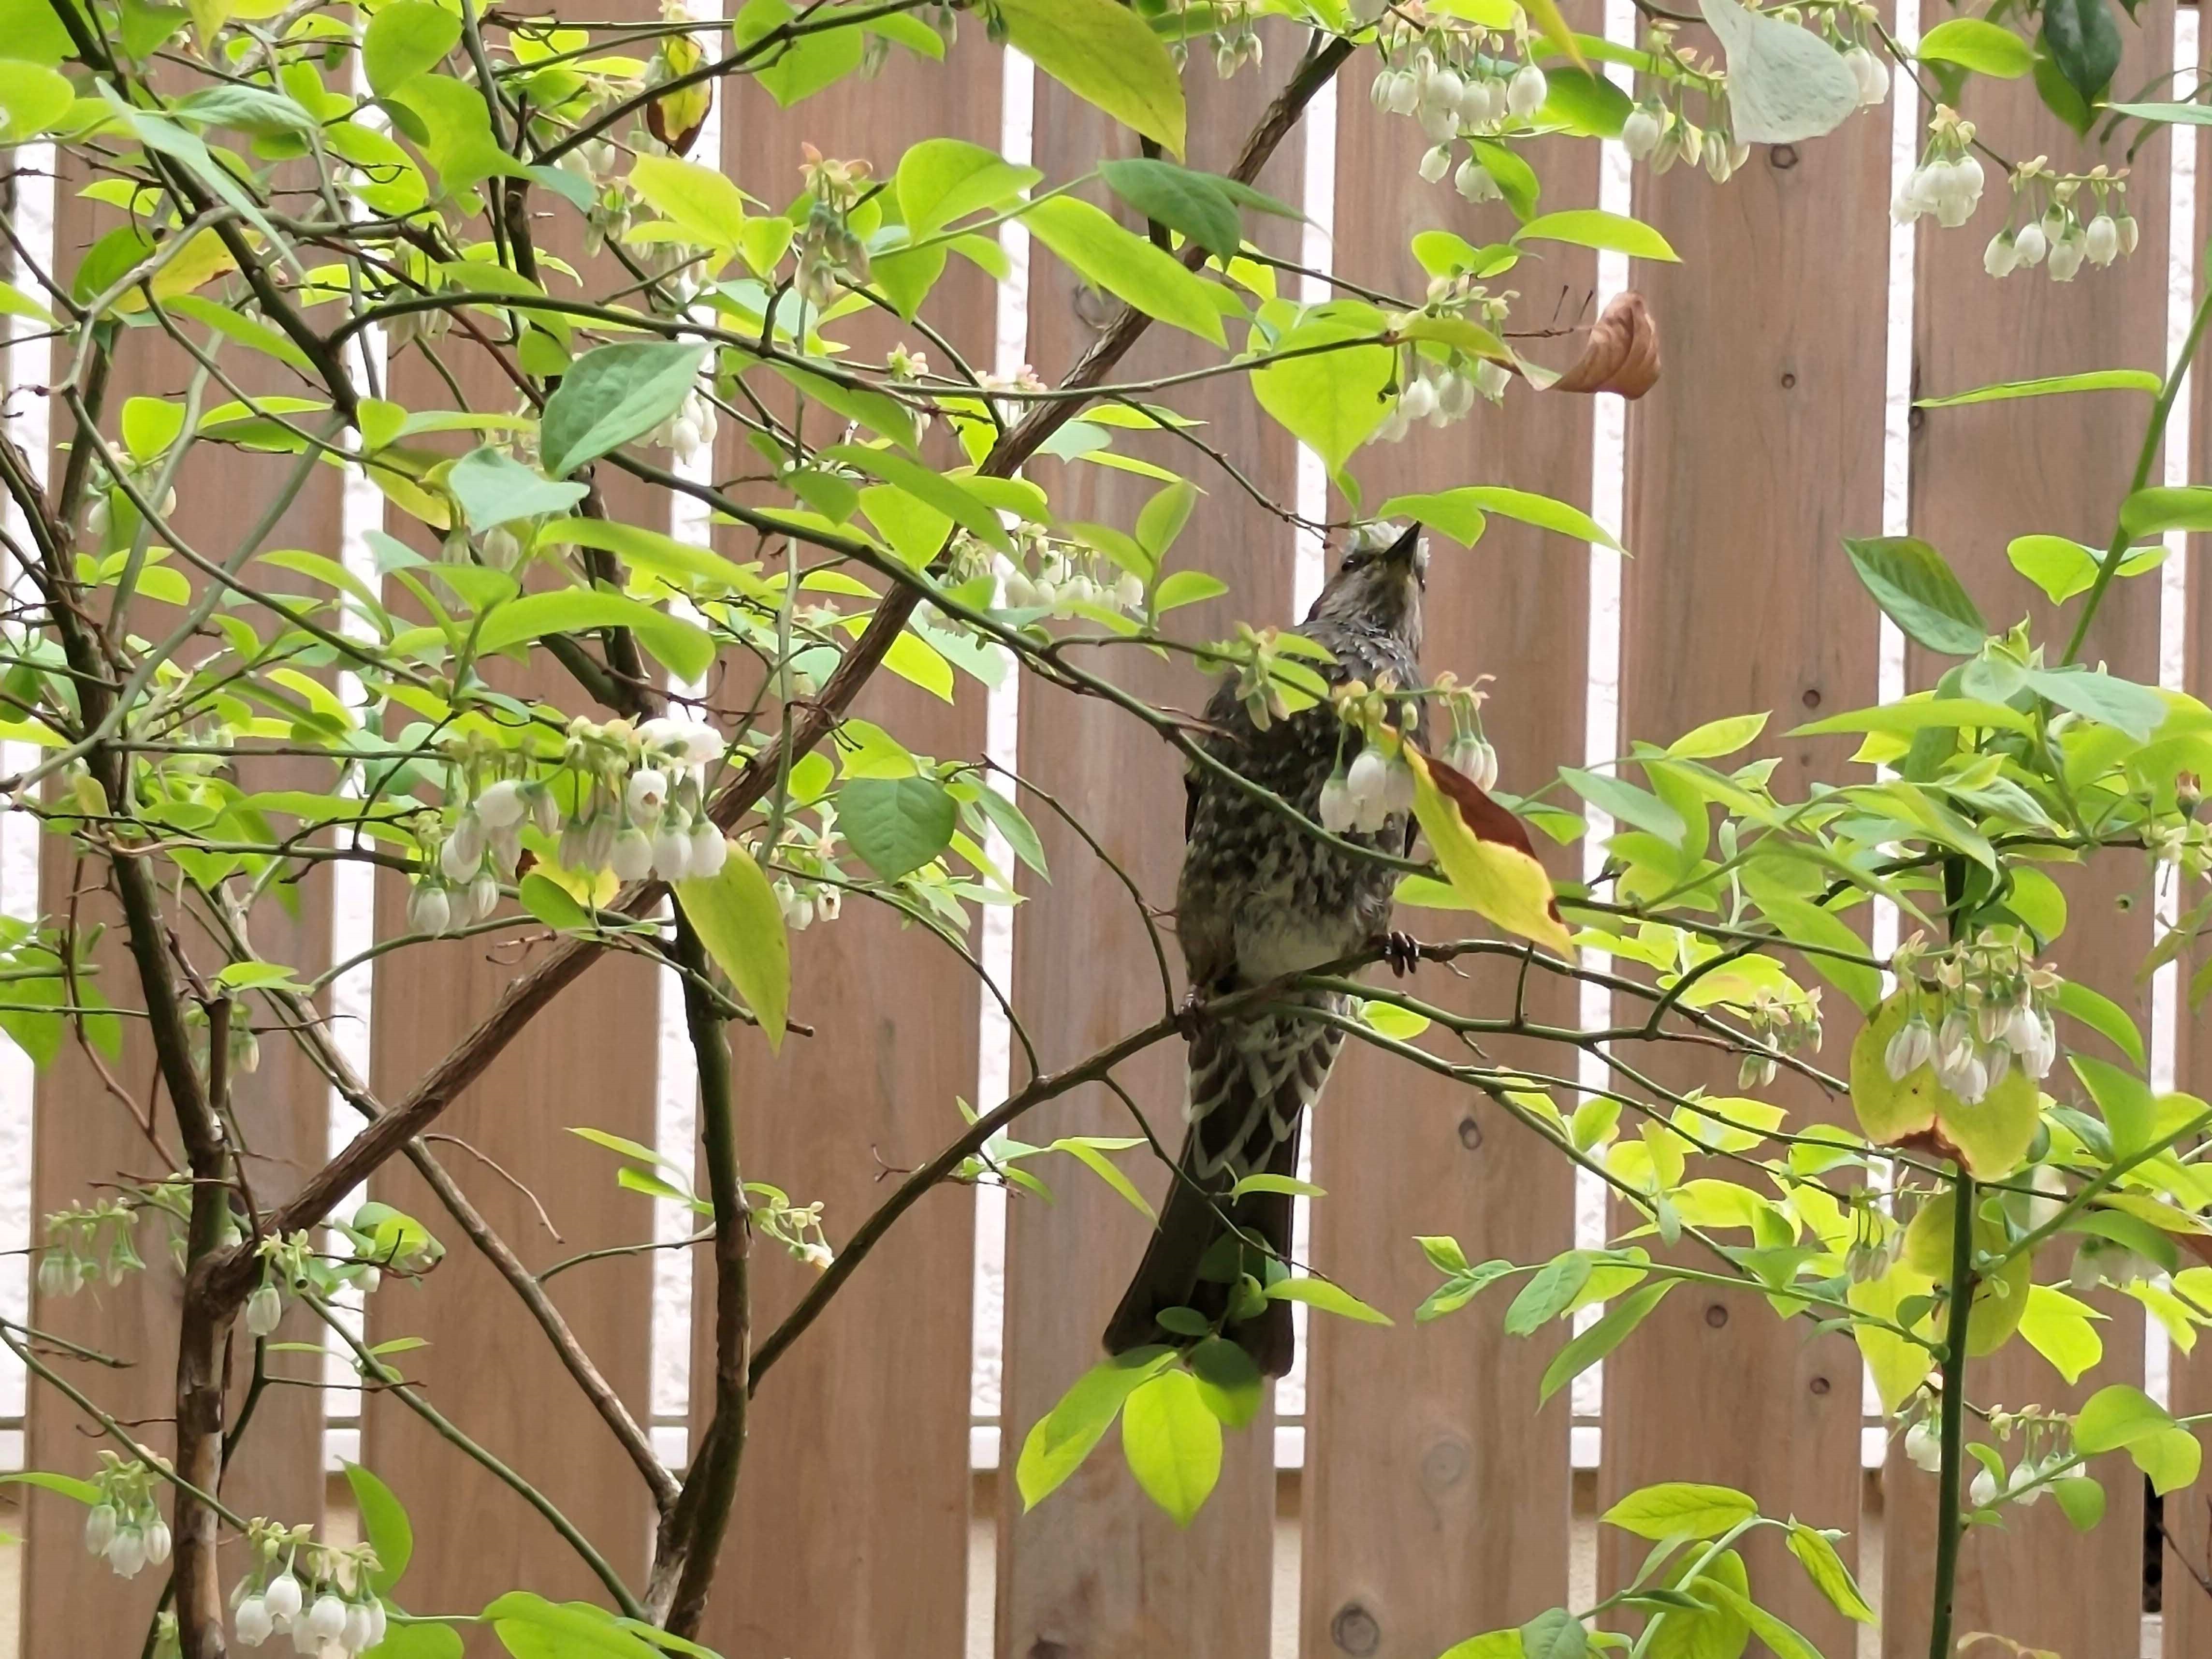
(1916, 591)
(494, 489)
(384, 1526)
(2081, 1498)
(741, 924)
(1084, 1153)
(551, 904)
(460, 148)
(1106, 54)
(1626, 803)
(613, 394)
(2064, 569)
(1974, 43)
(948, 496)
(942, 179)
(1610, 232)
(531, 1627)
(1554, 1633)
(34, 97)
(67, 1485)
(2190, 115)
(1444, 1253)
(425, 1640)
(808, 63)
(2084, 42)
(2118, 1415)
(2153, 511)
(1459, 514)
(1126, 265)
(685, 646)
(2057, 1326)
(702, 203)
(896, 824)
(1918, 713)
(1059, 1442)
(1785, 83)
(403, 40)
(1206, 207)
(1817, 1555)
(1332, 401)
(1010, 822)
(1228, 1380)
(2094, 380)
(1679, 1509)
(1173, 1444)
(1328, 1296)
(1601, 1338)
(2171, 1459)
(1550, 1291)
(2137, 710)
(1782, 1641)
(2105, 1018)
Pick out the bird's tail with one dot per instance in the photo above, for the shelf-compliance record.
(1250, 1084)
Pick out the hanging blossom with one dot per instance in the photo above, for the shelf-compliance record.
(1374, 794)
(690, 432)
(125, 1526)
(2055, 234)
(627, 798)
(1948, 181)
(89, 1246)
(318, 1595)
(1061, 579)
(1455, 82)
(1441, 389)
(831, 254)
(1781, 1022)
(1985, 1006)
(1470, 753)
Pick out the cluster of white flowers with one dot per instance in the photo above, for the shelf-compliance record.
(322, 1614)
(88, 1246)
(2098, 1260)
(1948, 181)
(1662, 137)
(1469, 753)
(2059, 238)
(690, 432)
(1363, 798)
(125, 1526)
(1060, 581)
(1440, 393)
(640, 791)
(804, 904)
(1785, 1021)
(1452, 81)
(1980, 1007)
(286, 1263)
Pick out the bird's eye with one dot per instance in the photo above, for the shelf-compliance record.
(1353, 561)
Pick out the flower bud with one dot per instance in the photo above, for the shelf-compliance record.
(1397, 788)
(646, 793)
(502, 805)
(283, 1597)
(1129, 591)
(264, 1310)
(1640, 132)
(56, 1274)
(632, 856)
(326, 1619)
(1755, 1072)
(252, 1621)
(2130, 233)
(1335, 809)
(158, 1541)
(464, 849)
(1913, 1047)
(1867, 70)
(356, 1638)
(1985, 1491)
(1435, 163)
(2101, 241)
(2066, 256)
(98, 1527)
(126, 1552)
(1417, 401)
(376, 1622)
(1526, 92)
(428, 909)
(2001, 257)
(1923, 1446)
(483, 895)
(2030, 244)
(672, 853)
(1474, 181)
(1492, 378)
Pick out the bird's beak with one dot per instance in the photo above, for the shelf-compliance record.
(1406, 553)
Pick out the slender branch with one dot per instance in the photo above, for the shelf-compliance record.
(1950, 1529)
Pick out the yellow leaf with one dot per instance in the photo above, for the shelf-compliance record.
(1991, 1137)
(741, 924)
(1502, 883)
(1545, 14)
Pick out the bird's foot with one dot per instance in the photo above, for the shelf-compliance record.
(1401, 950)
(1190, 1016)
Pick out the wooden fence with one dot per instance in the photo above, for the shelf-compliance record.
(1436, 1500)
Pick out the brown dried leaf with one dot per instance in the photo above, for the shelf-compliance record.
(1622, 352)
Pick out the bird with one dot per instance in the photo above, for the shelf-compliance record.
(1259, 898)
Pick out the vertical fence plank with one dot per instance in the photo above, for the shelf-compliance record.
(852, 1539)
(1981, 476)
(587, 1061)
(1437, 1498)
(84, 1141)
(1096, 1570)
(1759, 449)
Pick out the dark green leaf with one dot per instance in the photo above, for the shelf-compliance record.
(1916, 589)
(2084, 42)
(613, 394)
(896, 824)
(494, 489)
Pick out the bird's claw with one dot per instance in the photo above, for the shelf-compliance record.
(1190, 1015)
(1401, 952)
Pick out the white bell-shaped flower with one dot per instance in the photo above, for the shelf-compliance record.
(428, 909)
(327, 1617)
(126, 1552)
(646, 793)
(158, 1541)
(1474, 181)
(98, 1527)
(1871, 73)
(1526, 92)
(283, 1598)
(710, 852)
(2001, 257)
(1985, 1491)
(632, 856)
(1641, 131)
(1435, 162)
(671, 851)
(1335, 809)
(264, 1310)
(1417, 401)
(1923, 1446)
(252, 1619)
(501, 806)
(1913, 1047)
(2101, 241)
(354, 1638)
(2066, 256)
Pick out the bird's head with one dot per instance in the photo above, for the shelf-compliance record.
(1378, 585)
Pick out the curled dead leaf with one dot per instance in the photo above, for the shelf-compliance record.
(1622, 352)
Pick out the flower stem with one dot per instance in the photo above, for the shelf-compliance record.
(1949, 1529)
(2117, 549)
